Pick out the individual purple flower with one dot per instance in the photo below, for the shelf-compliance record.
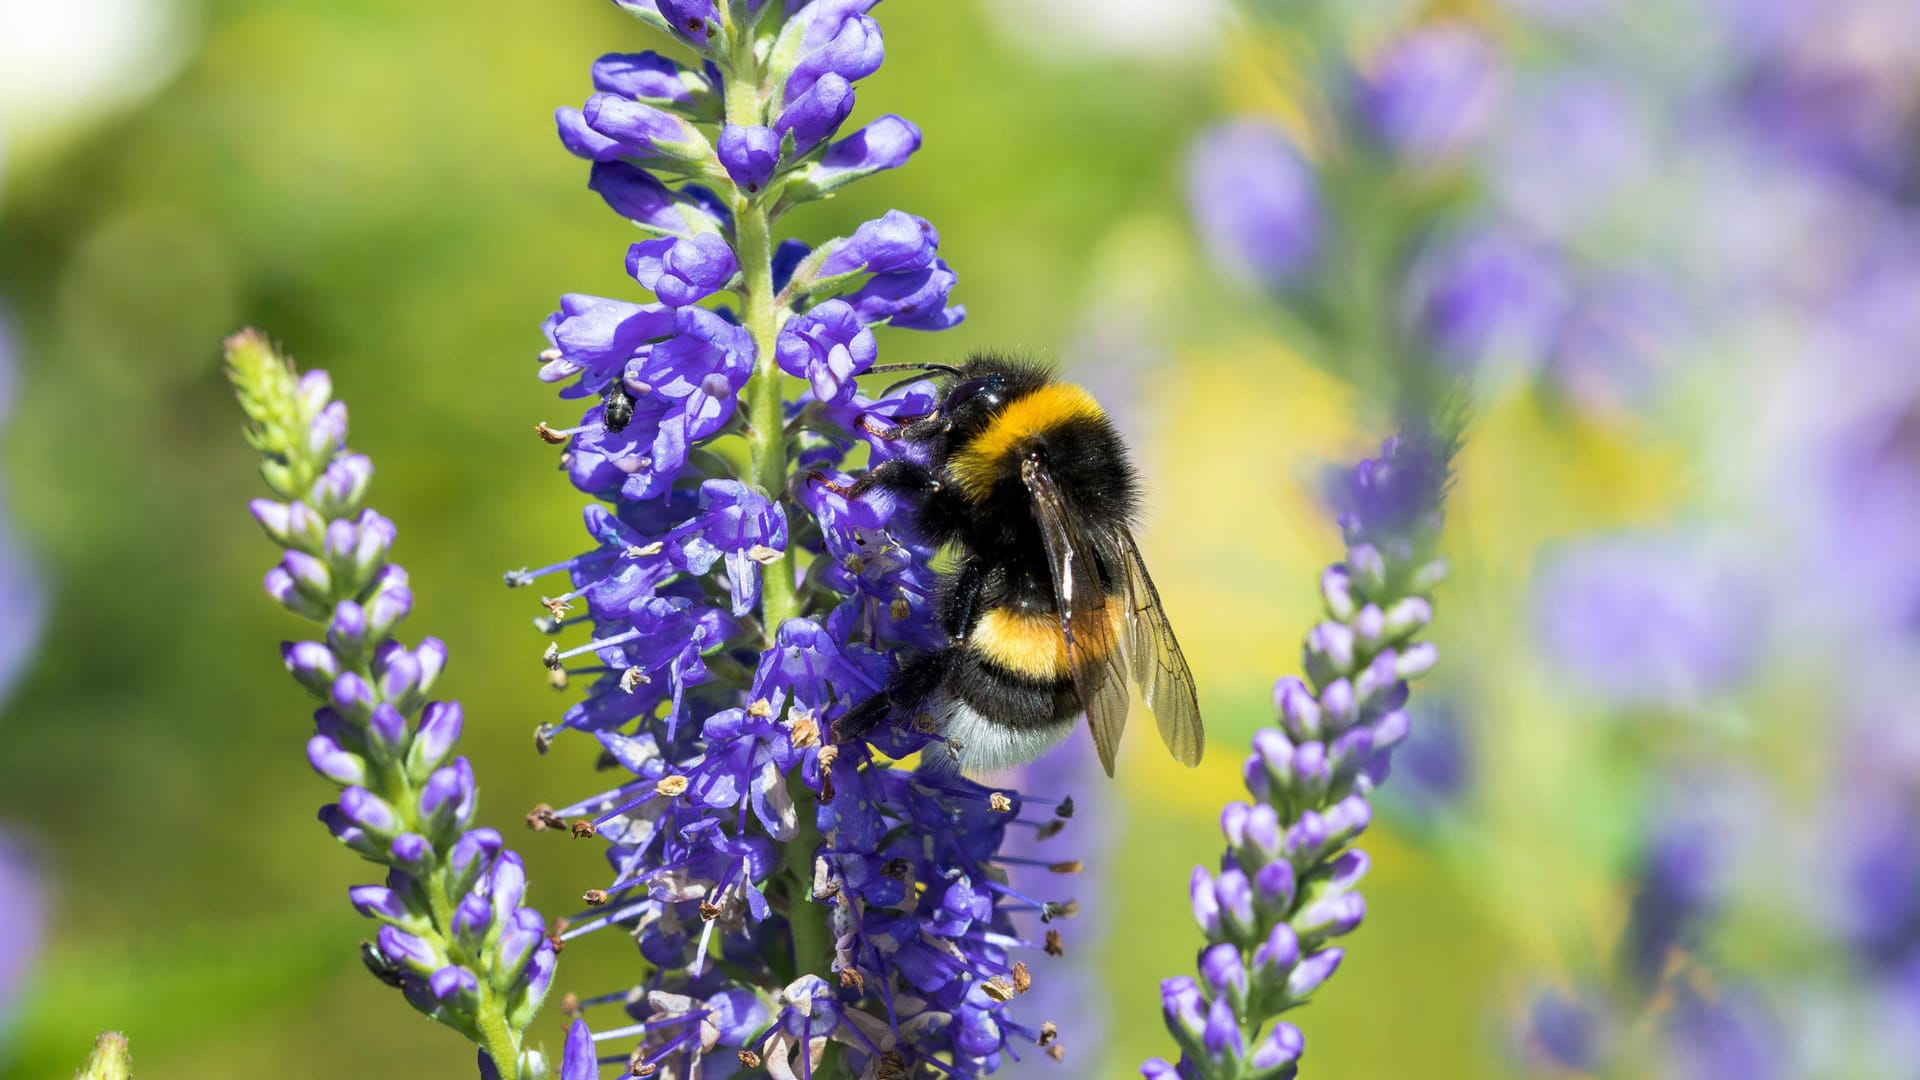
(1431, 95)
(749, 154)
(854, 52)
(814, 116)
(610, 126)
(682, 271)
(646, 77)
(910, 300)
(405, 800)
(1287, 885)
(1255, 202)
(827, 346)
(635, 194)
(693, 21)
(884, 144)
(895, 243)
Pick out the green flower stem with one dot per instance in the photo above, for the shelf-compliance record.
(767, 456)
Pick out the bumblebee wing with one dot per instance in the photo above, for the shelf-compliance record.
(1159, 667)
(1086, 621)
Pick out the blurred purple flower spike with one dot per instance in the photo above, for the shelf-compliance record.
(1287, 884)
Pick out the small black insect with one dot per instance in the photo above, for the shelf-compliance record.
(383, 969)
(619, 405)
(1048, 605)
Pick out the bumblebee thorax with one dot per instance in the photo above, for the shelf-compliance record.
(1022, 426)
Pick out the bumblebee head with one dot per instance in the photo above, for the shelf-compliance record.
(980, 388)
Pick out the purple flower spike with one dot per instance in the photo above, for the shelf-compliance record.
(1288, 887)
(1255, 202)
(749, 154)
(908, 942)
(682, 271)
(828, 346)
(373, 736)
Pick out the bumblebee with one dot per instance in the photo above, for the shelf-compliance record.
(1048, 605)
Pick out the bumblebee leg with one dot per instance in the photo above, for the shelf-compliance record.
(898, 475)
(918, 677)
(891, 431)
(839, 489)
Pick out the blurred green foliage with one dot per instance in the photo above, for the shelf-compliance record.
(378, 186)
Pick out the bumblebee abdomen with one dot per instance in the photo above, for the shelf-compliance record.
(1027, 642)
(1021, 641)
(1007, 699)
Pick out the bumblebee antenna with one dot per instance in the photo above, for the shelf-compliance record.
(944, 369)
